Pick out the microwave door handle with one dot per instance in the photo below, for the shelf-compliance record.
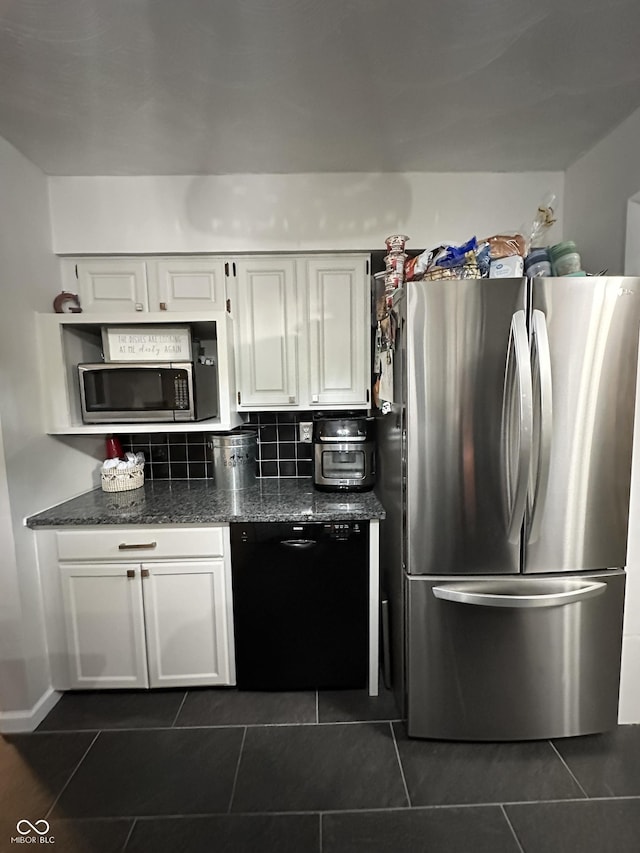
(540, 342)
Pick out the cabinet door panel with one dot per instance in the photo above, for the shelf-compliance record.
(268, 328)
(104, 625)
(188, 284)
(186, 623)
(338, 331)
(110, 285)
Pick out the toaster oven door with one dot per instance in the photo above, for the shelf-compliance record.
(342, 464)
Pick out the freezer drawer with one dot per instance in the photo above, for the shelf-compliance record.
(516, 658)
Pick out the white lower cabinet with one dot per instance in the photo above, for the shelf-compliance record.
(153, 623)
(185, 645)
(104, 623)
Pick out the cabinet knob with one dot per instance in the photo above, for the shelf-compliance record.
(131, 573)
(292, 399)
(144, 573)
(163, 306)
(139, 306)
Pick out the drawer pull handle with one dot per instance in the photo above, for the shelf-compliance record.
(124, 546)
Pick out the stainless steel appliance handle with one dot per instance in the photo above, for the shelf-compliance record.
(540, 341)
(519, 346)
(342, 438)
(298, 543)
(492, 599)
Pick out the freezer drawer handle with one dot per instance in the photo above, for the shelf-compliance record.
(464, 595)
(298, 543)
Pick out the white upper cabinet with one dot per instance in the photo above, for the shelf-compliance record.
(110, 285)
(267, 335)
(303, 336)
(191, 284)
(339, 331)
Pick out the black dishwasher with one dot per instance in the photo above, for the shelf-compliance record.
(300, 604)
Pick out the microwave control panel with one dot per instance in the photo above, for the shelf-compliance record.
(181, 390)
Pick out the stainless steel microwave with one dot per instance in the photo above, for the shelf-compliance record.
(148, 392)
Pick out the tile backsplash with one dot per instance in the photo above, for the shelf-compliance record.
(185, 456)
(280, 454)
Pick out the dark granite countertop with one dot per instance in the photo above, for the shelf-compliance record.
(200, 502)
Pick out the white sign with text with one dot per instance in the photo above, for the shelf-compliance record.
(146, 343)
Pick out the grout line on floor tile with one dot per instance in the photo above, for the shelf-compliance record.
(183, 728)
(64, 787)
(317, 706)
(513, 832)
(129, 834)
(404, 781)
(567, 768)
(235, 778)
(325, 812)
(184, 699)
(200, 815)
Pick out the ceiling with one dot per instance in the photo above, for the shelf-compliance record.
(160, 87)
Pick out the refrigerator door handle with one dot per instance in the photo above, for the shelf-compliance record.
(542, 360)
(517, 494)
(464, 594)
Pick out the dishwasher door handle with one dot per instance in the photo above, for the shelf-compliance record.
(298, 543)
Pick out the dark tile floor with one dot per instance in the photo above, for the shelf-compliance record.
(329, 772)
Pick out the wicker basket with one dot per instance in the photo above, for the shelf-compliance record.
(122, 481)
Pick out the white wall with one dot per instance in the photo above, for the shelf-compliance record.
(597, 189)
(289, 212)
(35, 470)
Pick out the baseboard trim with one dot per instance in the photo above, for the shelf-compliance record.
(14, 722)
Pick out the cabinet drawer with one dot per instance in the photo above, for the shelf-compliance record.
(138, 544)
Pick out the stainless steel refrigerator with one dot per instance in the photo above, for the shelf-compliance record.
(505, 467)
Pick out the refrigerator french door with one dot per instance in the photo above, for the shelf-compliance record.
(519, 426)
